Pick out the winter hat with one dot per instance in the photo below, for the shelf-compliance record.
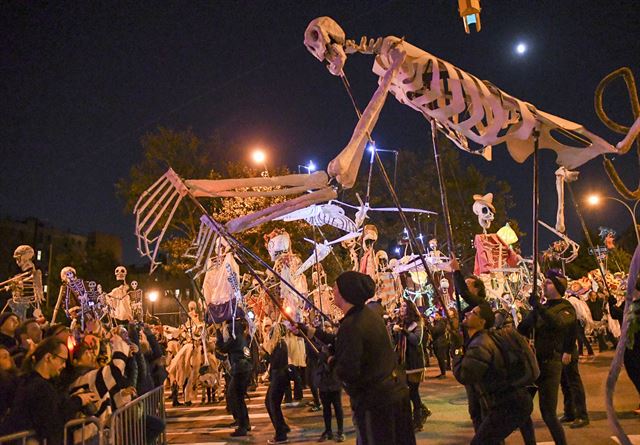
(559, 281)
(4, 317)
(355, 287)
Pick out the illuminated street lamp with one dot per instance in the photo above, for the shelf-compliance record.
(310, 168)
(259, 157)
(153, 296)
(594, 200)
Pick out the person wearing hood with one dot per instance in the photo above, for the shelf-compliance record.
(367, 365)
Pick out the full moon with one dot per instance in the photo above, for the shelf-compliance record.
(521, 48)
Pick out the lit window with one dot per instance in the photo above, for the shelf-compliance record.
(39, 255)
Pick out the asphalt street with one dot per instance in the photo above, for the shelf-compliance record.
(449, 424)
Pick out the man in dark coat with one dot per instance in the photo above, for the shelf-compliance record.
(365, 362)
(554, 326)
(482, 367)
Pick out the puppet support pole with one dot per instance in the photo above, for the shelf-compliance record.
(536, 201)
(445, 203)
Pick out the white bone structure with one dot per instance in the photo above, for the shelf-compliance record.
(26, 287)
(320, 215)
(562, 175)
(322, 250)
(571, 248)
(464, 107)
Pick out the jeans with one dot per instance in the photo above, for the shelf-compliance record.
(575, 404)
(296, 378)
(416, 401)
(500, 421)
(237, 390)
(328, 399)
(385, 425)
(548, 386)
(278, 381)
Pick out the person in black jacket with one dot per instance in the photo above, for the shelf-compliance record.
(367, 365)
(330, 387)
(553, 326)
(482, 367)
(276, 349)
(473, 292)
(9, 322)
(408, 339)
(440, 338)
(240, 359)
(8, 381)
(38, 405)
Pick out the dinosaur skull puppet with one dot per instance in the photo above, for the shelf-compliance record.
(121, 273)
(464, 108)
(484, 209)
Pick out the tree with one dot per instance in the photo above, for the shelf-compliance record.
(186, 154)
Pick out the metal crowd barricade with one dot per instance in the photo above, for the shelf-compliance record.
(83, 431)
(134, 423)
(22, 438)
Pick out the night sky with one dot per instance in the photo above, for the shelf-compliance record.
(83, 81)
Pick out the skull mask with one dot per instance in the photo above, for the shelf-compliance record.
(67, 274)
(121, 273)
(383, 260)
(134, 285)
(23, 256)
(325, 40)
(278, 242)
(483, 208)
(92, 286)
(369, 236)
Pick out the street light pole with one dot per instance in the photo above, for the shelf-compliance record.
(632, 211)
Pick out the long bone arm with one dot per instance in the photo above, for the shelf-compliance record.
(575, 247)
(562, 175)
(157, 205)
(464, 107)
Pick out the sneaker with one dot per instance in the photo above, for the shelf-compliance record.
(340, 437)
(327, 435)
(315, 408)
(579, 423)
(566, 419)
(275, 440)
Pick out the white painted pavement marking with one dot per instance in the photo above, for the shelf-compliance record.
(208, 408)
(635, 439)
(214, 418)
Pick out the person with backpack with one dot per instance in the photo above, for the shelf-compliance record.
(553, 328)
(486, 367)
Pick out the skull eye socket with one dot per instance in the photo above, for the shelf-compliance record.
(315, 35)
(485, 210)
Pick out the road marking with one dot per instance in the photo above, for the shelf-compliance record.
(635, 439)
(207, 408)
(214, 418)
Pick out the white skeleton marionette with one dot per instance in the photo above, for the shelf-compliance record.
(135, 295)
(491, 251)
(368, 261)
(286, 264)
(74, 293)
(25, 287)
(119, 299)
(322, 295)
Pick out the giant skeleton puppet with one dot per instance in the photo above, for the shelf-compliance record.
(119, 299)
(26, 287)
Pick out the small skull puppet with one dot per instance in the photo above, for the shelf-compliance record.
(368, 262)
(26, 287)
(484, 209)
(135, 295)
(286, 263)
(382, 260)
(73, 289)
(434, 250)
(350, 245)
(119, 299)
